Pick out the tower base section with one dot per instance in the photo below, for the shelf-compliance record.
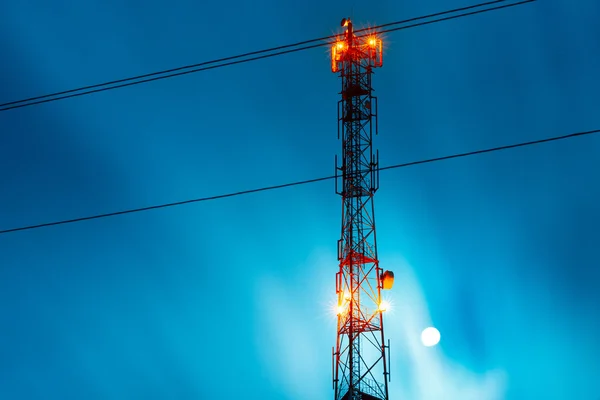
(363, 396)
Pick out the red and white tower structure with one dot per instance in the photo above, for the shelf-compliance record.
(361, 369)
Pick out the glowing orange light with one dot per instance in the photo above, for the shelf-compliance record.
(340, 45)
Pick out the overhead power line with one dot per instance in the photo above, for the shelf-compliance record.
(247, 57)
(297, 183)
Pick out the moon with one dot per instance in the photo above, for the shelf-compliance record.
(430, 337)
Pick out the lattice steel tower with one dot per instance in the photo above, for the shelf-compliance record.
(361, 369)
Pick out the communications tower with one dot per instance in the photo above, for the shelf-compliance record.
(361, 369)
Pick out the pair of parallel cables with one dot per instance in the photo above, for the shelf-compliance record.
(267, 53)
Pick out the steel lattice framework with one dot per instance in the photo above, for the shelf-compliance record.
(361, 370)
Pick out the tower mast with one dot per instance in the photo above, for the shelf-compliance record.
(360, 363)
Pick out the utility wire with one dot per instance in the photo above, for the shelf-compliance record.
(253, 53)
(298, 183)
(242, 58)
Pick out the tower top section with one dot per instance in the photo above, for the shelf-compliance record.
(348, 47)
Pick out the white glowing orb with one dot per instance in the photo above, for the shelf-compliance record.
(430, 337)
(384, 305)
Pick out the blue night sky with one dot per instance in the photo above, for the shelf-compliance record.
(231, 298)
